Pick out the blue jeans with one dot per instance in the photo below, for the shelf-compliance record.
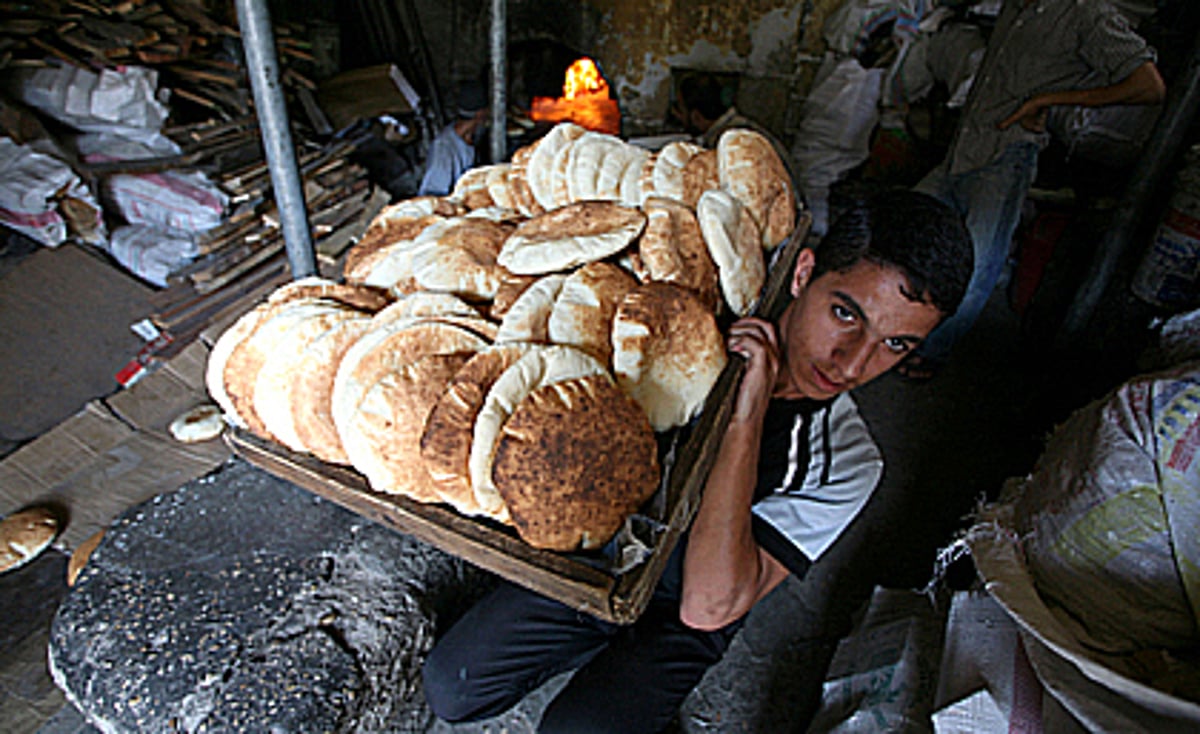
(990, 200)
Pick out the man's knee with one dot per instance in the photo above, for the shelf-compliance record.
(446, 690)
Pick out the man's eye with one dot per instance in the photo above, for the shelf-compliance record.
(841, 313)
(897, 346)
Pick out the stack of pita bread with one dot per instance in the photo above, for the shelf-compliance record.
(511, 350)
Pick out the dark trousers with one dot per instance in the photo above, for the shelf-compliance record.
(629, 679)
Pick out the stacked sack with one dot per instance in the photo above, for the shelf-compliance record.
(510, 350)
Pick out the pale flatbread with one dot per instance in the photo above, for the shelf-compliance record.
(569, 236)
(312, 395)
(672, 250)
(383, 438)
(735, 244)
(528, 319)
(498, 187)
(666, 175)
(462, 260)
(510, 289)
(752, 172)
(352, 295)
(559, 191)
(583, 310)
(391, 268)
(518, 183)
(362, 258)
(539, 173)
(574, 460)
(667, 352)
(541, 365)
(471, 188)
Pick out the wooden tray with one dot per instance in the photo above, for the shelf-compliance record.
(620, 599)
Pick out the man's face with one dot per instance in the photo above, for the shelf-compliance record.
(844, 329)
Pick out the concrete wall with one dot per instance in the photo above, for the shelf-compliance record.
(775, 46)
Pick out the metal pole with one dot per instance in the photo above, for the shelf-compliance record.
(499, 137)
(1179, 110)
(258, 40)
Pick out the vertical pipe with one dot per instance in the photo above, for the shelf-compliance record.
(499, 136)
(258, 40)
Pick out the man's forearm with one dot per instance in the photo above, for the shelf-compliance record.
(1143, 86)
(723, 566)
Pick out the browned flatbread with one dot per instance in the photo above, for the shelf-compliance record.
(25, 534)
(672, 250)
(583, 310)
(699, 175)
(471, 188)
(312, 396)
(510, 289)
(390, 420)
(365, 298)
(749, 169)
(361, 258)
(446, 443)
(575, 459)
(667, 352)
(519, 185)
(462, 260)
(569, 236)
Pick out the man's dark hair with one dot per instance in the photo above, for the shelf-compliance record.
(922, 237)
(703, 93)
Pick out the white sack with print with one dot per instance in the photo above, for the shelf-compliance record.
(119, 101)
(44, 199)
(152, 253)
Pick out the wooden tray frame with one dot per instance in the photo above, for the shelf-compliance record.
(619, 599)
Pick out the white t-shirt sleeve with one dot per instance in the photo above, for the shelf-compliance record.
(815, 514)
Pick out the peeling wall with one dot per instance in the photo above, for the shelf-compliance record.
(775, 46)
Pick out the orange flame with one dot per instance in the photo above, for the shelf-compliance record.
(583, 78)
(585, 100)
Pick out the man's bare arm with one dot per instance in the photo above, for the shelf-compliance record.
(725, 571)
(1142, 87)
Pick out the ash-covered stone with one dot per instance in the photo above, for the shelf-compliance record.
(240, 602)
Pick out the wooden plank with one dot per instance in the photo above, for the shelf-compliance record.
(552, 574)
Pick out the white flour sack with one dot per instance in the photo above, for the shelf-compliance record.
(1108, 519)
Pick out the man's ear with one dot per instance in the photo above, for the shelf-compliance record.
(802, 273)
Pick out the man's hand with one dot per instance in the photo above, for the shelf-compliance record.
(1031, 115)
(757, 341)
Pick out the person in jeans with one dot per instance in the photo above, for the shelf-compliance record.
(795, 465)
(1041, 54)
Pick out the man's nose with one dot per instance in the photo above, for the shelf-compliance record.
(853, 356)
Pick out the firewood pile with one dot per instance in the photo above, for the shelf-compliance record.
(194, 46)
(188, 43)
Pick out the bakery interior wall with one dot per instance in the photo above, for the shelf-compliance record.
(773, 46)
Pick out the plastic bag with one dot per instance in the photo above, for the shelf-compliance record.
(44, 199)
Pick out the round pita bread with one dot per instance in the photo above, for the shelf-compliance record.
(528, 319)
(541, 365)
(449, 430)
(700, 175)
(575, 459)
(386, 346)
(426, 304)
(246, 359)
(383, 439)
(569, 236)
(462, 260)
(471, 188)
(498, 187)
(510, 289)
(352, 295)
(276, 378)
(667, 352)
(218, 357)
(539, 173)
(672, 250)
(362, 258)
(583, 311)
(312, 395)
(749, 169)
(664, 174)
(734, 242)
(518, 182)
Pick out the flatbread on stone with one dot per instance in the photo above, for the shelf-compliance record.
(569, 236)
(667, 352)
(573, 461)
(735, 244)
